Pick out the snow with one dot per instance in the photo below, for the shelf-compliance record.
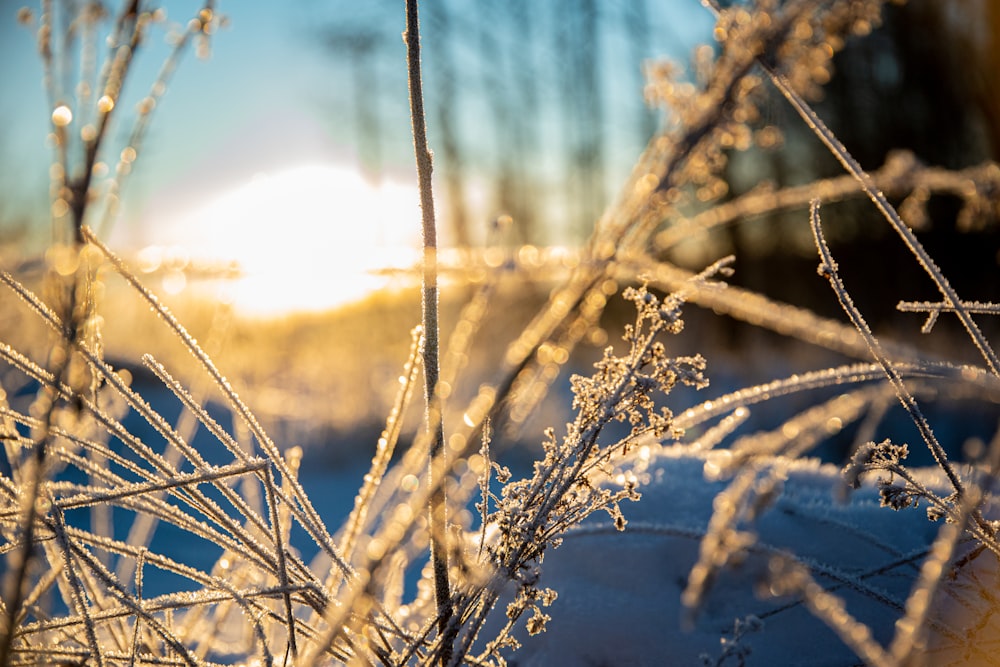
(619, 592)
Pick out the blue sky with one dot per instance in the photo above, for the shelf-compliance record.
(273, 98)
(259, 81)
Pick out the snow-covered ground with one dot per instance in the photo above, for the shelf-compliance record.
(620, 592)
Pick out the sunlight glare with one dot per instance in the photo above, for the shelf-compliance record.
(304, 239)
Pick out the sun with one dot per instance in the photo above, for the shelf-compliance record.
(307, 238)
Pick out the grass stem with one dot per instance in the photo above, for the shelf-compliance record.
(433, 414)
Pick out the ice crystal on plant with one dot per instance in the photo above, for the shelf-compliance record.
(734, 648)
(353, 613)
(896, 496)
(871, 456)
(533, 513)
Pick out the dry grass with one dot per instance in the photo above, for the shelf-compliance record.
(84, 488)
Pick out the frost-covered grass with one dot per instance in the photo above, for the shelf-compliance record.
(653, 528)
(619, 592)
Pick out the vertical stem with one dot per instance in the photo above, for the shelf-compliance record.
(433, 416)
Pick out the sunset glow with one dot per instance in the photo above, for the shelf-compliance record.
(306, 238)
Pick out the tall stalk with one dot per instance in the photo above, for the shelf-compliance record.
(433, 413)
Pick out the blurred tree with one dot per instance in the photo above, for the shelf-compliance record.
(578, 40)
(505, 42)
(447, 106)
(526, 104)
(362, 48)
(925, 82)
(636, 24)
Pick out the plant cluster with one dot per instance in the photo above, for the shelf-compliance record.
(84, 490)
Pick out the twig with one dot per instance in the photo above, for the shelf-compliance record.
(788, 577)
(79, 599)
(900, 175)
(303, 509)
(140, 564)
(828, 269)
(934, 310)
(885, 208)
(433, 414)
(384, 449)
(282, 569)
